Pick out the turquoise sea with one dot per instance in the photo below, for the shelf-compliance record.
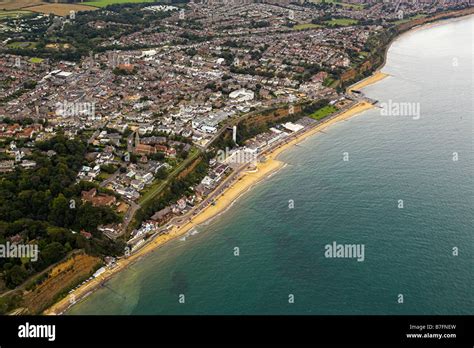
(426, 161)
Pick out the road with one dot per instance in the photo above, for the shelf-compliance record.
(110, 178)
(154, 192)
(179, 221)
(129, 214)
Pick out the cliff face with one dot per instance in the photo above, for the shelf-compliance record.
(273, 116)
(419, 21)
(351, 74)
(376, 61)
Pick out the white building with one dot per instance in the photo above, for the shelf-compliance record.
(242, 95)
(292, 126)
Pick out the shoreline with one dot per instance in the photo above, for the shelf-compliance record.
(445, 18)
(377, 76)
(245, 181)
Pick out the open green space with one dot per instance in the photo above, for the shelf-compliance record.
(341, 21)
(21, 45)
(13, 14)
(354, 6)
(103, 3)
(328, 82)
(304, 26)
(36, 60)
(405, 20)
(323, 112)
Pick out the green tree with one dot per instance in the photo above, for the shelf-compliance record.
(53, 252)
(59, 211)
(15, 276)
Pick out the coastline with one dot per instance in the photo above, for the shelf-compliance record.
(238, 188)
(226, 199)
(424, 23)
(377, 76)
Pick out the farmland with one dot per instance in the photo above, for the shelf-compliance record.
(103, 3)
(10, 5)
(60, 9)
(341, 3)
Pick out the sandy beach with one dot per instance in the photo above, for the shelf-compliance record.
(237, 189)
(376, 77)
(245, 181)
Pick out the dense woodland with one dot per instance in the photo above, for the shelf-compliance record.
(43, 206)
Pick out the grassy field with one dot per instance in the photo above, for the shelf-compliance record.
(36, 60)
(22, 44)
(13, 13)
(401, 21)
(60, 9)
(354, 6)
(306, 26)
(328, 82)
(341, 21)
(323, 112)
(104, 176)
(103, 3)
